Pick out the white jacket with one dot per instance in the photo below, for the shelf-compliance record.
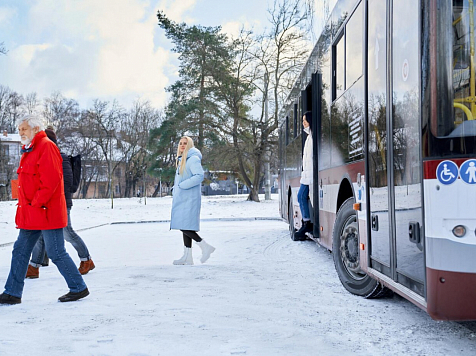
(306, 175)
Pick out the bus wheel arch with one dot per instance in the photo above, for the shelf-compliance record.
(345, 192)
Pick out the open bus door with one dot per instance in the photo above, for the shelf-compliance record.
(316, 118)
(394, 172)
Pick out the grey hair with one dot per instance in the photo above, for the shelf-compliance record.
(32, 120)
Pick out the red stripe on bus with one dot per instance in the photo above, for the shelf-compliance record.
(429, 167)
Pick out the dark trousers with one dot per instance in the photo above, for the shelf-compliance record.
(188, 236)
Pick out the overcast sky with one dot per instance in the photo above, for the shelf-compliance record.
(106, 49)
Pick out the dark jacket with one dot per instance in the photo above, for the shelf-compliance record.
(67, 179)
(41, 201)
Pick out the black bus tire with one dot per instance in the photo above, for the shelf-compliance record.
(345, 250)
(292, 230)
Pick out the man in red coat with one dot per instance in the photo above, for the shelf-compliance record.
(41, 209)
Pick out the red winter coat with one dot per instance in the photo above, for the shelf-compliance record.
(41, 201)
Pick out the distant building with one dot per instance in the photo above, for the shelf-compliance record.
(220, 183)
(227, 183)
(10, 153)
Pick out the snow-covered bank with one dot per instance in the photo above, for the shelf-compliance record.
(259, 294)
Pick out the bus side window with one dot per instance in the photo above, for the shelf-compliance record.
(287, 130)
(300, 114)
(338, 81)
(291, 126)
(296, 111)
(347, 54)
(354, 43)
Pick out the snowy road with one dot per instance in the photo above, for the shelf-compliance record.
(259, 294)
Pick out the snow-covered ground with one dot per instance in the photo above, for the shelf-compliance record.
(259, 294)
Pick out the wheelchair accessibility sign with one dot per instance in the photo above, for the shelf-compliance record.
(467, 171)
(447, 172)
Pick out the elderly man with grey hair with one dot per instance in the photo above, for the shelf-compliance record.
(41, 210)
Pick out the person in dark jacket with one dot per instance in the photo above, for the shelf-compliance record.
(39, 253)
(41, 209)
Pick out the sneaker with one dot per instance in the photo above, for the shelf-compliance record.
(71, 297)
(32, 272)
(9, 299)
(86, 266)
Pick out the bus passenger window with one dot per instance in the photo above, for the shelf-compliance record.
(354, 35)
(339, 78)
(287, 130)
(291, 127)
(296, 121)
(301, 113)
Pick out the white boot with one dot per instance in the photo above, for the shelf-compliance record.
(186, 259)
(207, 250)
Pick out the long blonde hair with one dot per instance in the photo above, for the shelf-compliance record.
(184, 154)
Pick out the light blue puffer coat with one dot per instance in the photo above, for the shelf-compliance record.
(187, 195)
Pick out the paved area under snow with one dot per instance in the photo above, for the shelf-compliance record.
(259, 294)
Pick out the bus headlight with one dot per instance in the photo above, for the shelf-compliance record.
(459, 231)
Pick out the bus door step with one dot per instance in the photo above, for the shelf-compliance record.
(310, 236)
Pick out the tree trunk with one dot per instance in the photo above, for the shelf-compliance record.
(253, 196)
(156, 191)
(127, 190)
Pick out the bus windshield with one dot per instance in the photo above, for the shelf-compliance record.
(453, 129)
(462, 123)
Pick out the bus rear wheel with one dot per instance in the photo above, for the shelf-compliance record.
(292, 230)
(345, 250)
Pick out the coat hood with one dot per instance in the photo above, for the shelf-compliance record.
(194, 152)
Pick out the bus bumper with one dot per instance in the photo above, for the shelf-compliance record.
(451, 295)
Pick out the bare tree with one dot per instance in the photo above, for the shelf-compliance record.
(103, 120)
(77, 139)
(59, 112)
(11, 107)
(279, 56)
(15, 109)
(5, 122)
(31, 103)
(135, 128)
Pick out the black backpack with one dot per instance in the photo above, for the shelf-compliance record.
(76, 167)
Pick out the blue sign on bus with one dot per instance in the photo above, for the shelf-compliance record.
(467, 171)
(447, 172)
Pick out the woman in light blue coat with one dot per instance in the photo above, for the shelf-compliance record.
(187, 199)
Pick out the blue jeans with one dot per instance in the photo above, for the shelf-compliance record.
(71, 236)
(54, 242)
(303, 199)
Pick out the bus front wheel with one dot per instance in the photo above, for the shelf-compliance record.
(345, 250)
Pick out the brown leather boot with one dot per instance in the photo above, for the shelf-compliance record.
(86, 266)
(32, 272)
